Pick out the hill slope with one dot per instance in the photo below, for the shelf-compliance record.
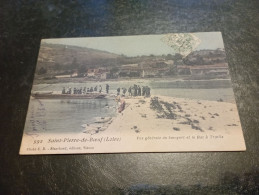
(59, 58)
(205, 57)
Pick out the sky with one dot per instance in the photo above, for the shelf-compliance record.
(137, 45)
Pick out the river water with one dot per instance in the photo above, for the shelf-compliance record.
(54, 115)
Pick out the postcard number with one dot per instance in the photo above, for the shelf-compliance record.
(37, 141)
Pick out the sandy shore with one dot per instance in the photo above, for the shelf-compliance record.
(152, 124)
(161, 114)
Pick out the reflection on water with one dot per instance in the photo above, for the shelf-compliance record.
(66, 115)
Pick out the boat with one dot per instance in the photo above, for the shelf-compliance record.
(52, 95)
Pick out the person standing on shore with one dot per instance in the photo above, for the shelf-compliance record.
(147, 91)
(139, 91)
(124, 90)
(121, 105)
(118, 91)
(135, 90)
(143, 90)
(100, 90)
(129, 90)
(107, 88)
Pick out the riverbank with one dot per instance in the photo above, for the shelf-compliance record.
(169, 114)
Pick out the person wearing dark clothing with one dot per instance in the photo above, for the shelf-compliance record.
(139, 91)
(118, 91)
(135, 90)
(107, 88)
(124, 91)
(143, 90)
(129, 90)
(100, 90)
(91, 89)
(95, 88)
(147, 91)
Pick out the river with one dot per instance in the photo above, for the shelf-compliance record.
(53, 115)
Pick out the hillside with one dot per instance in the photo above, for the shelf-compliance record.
(57, 59)
(205, 57)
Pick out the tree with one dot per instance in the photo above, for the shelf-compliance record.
(81, 69)
(169, 57)
(113, 71)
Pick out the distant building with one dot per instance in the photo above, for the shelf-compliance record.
(212, 70)
(67, 75)
(154, 72)
(74, 74)
(156, 68)
(169, 62)
(63, 76)
(148, 73)
(97, 73)
(183, 70)
(130, 70)
(130, 67)
(161, 63)
(201, 70)
(103, 75)
(90, 72)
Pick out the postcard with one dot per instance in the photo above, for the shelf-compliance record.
(143, 93)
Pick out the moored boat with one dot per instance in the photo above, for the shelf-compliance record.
(68, 96)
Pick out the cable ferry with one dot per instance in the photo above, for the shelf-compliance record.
(53, 95)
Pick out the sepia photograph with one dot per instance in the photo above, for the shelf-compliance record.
(141, 93)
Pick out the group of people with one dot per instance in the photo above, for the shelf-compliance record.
(82, 90)
(135, 90)
(68, 91)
